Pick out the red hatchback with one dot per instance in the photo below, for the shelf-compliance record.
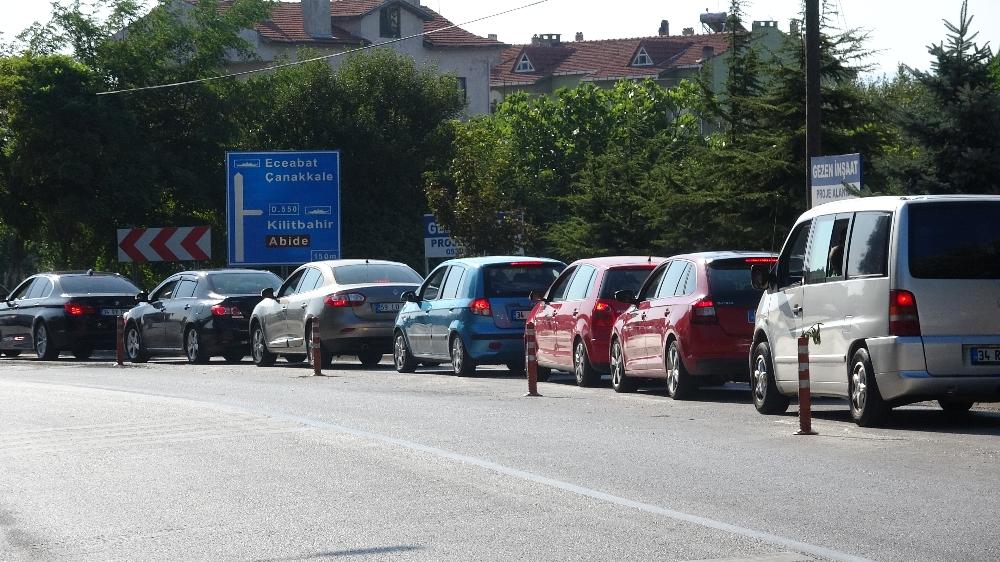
(690, 323)
(573, 319)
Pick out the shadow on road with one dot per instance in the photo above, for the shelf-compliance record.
(373, 551)
(930, 420)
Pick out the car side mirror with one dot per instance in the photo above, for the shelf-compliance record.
(409, 296)
(142, 297)
(267, 293)
(762, 276)
(626, 296)
(536, 296)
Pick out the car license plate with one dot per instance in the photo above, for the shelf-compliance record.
(985, 355)
(520, 314)
(113, 311)
(388, 306)
(751, 316)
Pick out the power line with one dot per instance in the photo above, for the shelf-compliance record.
(324, 57)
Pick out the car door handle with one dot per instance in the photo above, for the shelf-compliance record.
(305, 304)
(187, 306)
(575, 313)
(643, 317)
(797, 310)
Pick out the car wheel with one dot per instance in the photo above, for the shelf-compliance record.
(461, 363)
(83, 353)
(955, 407)
(402, 359)
(867, 407)
(234, 356)
(370, 359)
(619, 381)
(12, 352)
(258, 348)
(192, 346)
(43, 345)
(766, 397)
(680, 384)
(325, 360)
(135, 350)
(584, 371)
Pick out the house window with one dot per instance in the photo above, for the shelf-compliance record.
(464, 88)
(524, 65)
(642, 58)
(389, 22)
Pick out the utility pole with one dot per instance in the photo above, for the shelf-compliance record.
(813, 100)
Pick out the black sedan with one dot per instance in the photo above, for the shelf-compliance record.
(53, 312)
(198, 314)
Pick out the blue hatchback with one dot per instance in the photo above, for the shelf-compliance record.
(471, 312)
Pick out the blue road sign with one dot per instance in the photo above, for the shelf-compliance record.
(283, 208)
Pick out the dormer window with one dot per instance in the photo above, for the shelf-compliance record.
(524, 65)
(389, 22)
(642, 58)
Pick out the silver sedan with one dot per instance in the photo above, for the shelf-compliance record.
(351, 303)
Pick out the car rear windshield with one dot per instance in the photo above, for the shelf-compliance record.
(730, 280)
(955, 240)
(516, 280)
(96, 284)
(623, 279)
(374, 273)
(243, 283)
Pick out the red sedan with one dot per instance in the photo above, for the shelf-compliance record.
(690, 323)
(573, 319)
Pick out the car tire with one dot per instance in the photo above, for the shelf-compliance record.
(586, 376)
(234, 356)
(619, 381)
(867, 407)
(370, 359)
(402, 359)
(12, 353)
(43, 343)
(681, 385)
(955, 407)
(763, 389)
(135, 349)
(461, 363)
(262, 357)
(83, 353)
(193, 348)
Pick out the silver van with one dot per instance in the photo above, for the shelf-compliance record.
(907, 293)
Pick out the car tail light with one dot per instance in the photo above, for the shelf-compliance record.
(77, 309)
(604, 314)
(753, 261)
(903, 319)
(703, 312)
(223, 310)
(527, 263)
(344, 300)
(481, 307)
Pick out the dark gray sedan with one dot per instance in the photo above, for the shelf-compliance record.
(351, 303)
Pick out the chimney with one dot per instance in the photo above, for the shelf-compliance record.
(579, 36)
(664, 28)
(316, 18)
(707, 52)
(546, 40)
(687, 32)
(492, 36)
(793, 28)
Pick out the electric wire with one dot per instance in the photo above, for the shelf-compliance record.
(323, 57)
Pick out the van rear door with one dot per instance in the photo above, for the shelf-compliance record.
(950, 261)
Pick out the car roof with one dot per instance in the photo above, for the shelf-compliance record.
(709, 257)
(80, 274)
(341, 263)
(620, 261)
(494, 260)
(204, 272)
(885, 203)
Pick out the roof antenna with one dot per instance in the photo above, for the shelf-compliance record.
(650, 260)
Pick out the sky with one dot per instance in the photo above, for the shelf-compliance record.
(900, 30)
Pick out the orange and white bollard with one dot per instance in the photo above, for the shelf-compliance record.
(120, 341)
(317, 352)
(805, 394)
(531, 361)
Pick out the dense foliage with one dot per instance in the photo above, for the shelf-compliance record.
(631, 169)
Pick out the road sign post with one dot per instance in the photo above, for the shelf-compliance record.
(283, 208)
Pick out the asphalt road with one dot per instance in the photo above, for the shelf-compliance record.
(167, 461)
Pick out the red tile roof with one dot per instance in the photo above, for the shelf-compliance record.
(604, 60)
(285, 26)
(454, 37)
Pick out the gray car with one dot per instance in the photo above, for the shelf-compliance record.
(351, 303)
